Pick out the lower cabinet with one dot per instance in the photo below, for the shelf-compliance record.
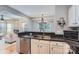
(39, 47)
(56, 47)
(66, 48)
(44, 47)
(34, 46)
(48, 47)
(56, 50)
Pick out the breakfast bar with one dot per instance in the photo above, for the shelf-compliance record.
(49, 42)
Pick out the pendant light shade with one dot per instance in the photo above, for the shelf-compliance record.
(2, 19)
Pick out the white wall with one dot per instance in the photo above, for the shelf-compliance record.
(61, 11)
(28, 23)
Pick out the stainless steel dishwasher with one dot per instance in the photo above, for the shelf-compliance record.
(25, 45)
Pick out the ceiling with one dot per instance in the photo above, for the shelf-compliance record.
(10, 13)
(15, 11)
(35, 10)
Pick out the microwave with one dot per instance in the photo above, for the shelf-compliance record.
(71, 35)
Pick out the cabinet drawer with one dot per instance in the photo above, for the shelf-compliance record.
(44, 42)
(57, 43)
(53, 43)
(56, 49)
(60, 43)
(34, 41)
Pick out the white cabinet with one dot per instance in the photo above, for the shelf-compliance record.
(34, 46)
(66, 48)
(49, 47)
(59, 47)
(44, 47)
(73, 16)
(77, 15)
(56, 48)
(39, 47)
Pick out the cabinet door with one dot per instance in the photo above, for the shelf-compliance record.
(34, 46)
(56, 47)
(71, 16)
(66, 48)
(56, 50)
(53, 49)
(77, 15)
(44, 49)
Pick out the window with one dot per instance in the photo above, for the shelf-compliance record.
(9, 28)
(2, 28)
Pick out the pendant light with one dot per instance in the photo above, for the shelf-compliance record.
(2, 19)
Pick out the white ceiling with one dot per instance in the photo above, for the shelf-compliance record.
(35, 10)
(15, 11)
(9, 12)
(8, 15)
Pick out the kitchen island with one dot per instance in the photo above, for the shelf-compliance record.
(48, 43)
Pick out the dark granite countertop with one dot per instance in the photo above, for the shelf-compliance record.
(60, 39)
(73, 44)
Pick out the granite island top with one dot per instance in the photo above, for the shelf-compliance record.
(72, 43)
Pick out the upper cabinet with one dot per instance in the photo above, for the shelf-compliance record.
(73, 16)
(77, 15)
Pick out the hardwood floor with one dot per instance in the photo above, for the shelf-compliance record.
(11, 49)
